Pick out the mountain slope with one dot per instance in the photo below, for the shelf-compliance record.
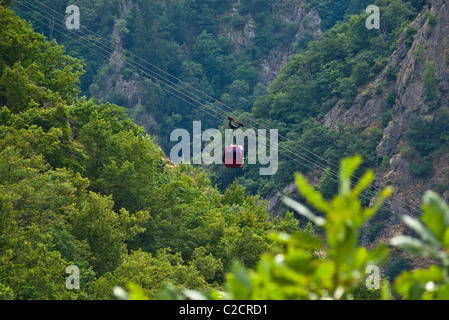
(410, 62)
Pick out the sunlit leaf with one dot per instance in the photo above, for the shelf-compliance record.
(436, 214)
(416, 247)
(422, 231)
(363, 183)
(314, 197)
(347, 168)
(303, 210)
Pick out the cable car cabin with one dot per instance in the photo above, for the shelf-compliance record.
(233, 156)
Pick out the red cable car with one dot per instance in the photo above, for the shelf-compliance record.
(233, 156)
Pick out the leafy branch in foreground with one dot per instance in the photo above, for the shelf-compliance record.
(433, 243)
(300, 266)
(338, 275)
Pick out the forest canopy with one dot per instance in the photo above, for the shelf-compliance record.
(81, 184)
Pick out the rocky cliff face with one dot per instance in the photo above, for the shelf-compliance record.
(411, 103)
(130, 89)
(307, 22)
(115, 81)
(370, 106)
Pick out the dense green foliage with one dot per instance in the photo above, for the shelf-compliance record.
(81, 184)
(426, 136)
(331, 70)
(301, 266)
(186, 39)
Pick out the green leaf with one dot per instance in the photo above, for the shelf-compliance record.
(239, 283)
(436, 214)
(136, 292)
(363, 183)
(314, 197)
(422, 231)
(306, 241)
(416, 247)
(386, 291)
(303, 210)
(347, 169)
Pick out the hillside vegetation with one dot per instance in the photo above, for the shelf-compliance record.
(82, 184)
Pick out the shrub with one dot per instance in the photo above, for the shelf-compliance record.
(386, 118)
(384, 164)
(379, 89)
(375, 230)
(396, 266)
(432, 19)
(391, 99)
(391, 73)
(421, 168)
(430, 81)
(410, 33)
(384, 214)
(237, 21)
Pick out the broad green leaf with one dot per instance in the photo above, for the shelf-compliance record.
(239, 283)
(423, 232)
(436, 214)
(303, 210)
(369, 212)
(306, 241)
(314, 197)
(416, 247)
(136, 292)
(386, 291)
(363, 183)
(347, 168)
(446, 238)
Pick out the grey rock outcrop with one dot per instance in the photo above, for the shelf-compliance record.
(368, 108)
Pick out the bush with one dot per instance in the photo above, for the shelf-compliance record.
(410, 33)
(375, 230)
(391, 73)
(396, 266)
(421, 168)
(237, 21)
(384, 164)
(117, 97)
(430, 81)
(391, 99)
(432, 19)
(384, 214)
(379, 89)
(386, 118)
